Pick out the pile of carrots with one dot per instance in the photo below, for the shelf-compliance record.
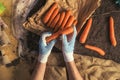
(86, 31)
(62, 22)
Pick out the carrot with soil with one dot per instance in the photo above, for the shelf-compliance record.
(75, 22)
(112, 32)
(62, 15)
(85, 32)
(70, 21)
(52, 37)
(53, 16)
(49, 13)
(67, 30)
(57, 34)
(67, 15)
(54, 22)
(96, 49)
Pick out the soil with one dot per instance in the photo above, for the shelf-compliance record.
(99, 33)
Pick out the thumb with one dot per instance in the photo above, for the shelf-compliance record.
(64, 40)
(51, 44)
(73, 36)
(74, 33)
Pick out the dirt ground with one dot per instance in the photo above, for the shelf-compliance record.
(99, 33)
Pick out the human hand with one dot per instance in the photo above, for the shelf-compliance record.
(68, 46)
(44, 48)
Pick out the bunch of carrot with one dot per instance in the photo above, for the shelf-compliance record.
(60, 22)
(85, 33)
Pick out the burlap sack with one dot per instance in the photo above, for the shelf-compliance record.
(90, 68)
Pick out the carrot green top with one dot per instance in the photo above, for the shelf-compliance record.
(2, 8)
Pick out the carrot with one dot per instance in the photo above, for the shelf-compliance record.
(56, 35)
(84, 34)
(67, 15)
(62, 15)
(49, 12)
(67, 30)
(54, 22)
(94, 48)
(53, 36)
(75, 22)
(70, 21)
(53, 16)
(112, 33)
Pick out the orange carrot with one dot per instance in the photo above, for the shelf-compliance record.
(56, 35)
(54, 22)
(49, 12)
(75, 22)
(84, 34)
(94, 48)
(67, 30)
(70, 21)
(53, 16)
(112, 33)
(62, 15)
(53, 36)
(67, 15)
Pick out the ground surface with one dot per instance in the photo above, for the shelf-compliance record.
(99, 35)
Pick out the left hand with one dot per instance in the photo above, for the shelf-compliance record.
(68, 46)
(44, 48)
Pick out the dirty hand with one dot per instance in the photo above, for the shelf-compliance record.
(44, 48)
(68, 46)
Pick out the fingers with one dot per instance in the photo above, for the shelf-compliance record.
(51, 44)
(46, 34)
(45, 48)
(64, 40)
(75, 31)
(72, 41)
(42, 40)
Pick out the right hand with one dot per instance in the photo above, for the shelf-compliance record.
(68, 46)
(44, 48)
